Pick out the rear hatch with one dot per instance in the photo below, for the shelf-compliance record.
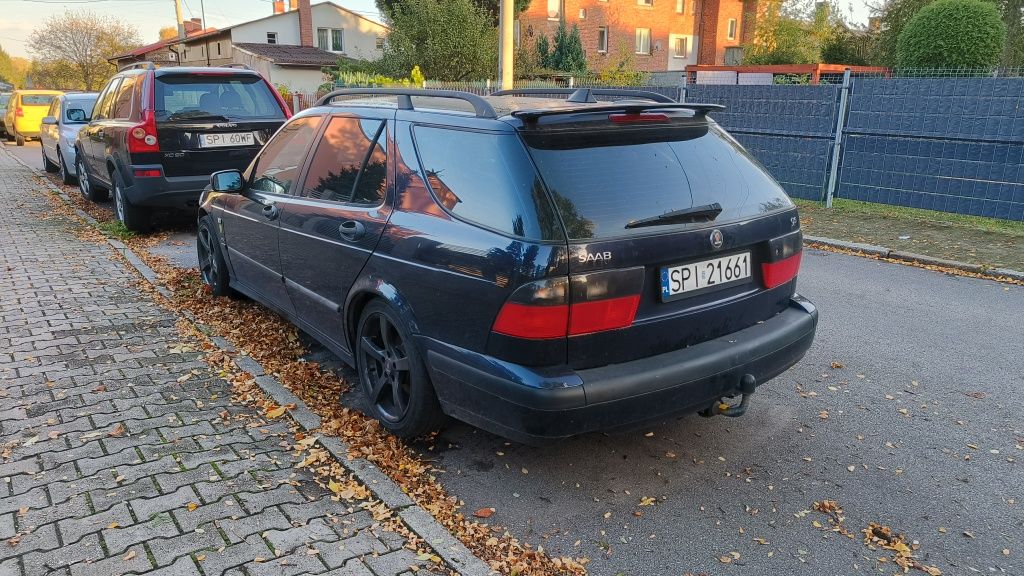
(667, 214)
(212, 121)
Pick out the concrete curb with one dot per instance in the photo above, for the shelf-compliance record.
(994, 273)
(444, 543)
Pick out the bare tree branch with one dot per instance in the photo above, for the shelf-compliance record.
(83, 41)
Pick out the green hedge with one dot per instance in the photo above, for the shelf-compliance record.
(952, 34)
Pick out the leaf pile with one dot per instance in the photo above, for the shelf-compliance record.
(878, 536)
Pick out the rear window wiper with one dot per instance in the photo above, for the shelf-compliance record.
(706, 213)
(197, 115)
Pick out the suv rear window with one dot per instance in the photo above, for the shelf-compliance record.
(37, 99)
(601, 180)
(241, 97)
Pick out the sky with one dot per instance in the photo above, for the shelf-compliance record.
(19, 17)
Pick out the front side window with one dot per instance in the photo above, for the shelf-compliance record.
(732, 28)
(643, 40)
(350, 163)
(277, 167)
(77, 111)
(602, 39)
(487, 179)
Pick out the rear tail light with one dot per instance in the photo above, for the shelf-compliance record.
(637, 118)
(142, 136)
(19, 112)
(580, 304)
(783, 262)
(147, 173)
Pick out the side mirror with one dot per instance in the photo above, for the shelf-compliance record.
(49, 120)
(226, 181)
(77, 115)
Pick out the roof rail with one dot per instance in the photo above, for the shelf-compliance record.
(147, 64)
(235, 65)
(699, 109)
(481, 107)
(581, 95)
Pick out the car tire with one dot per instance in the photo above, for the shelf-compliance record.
(47, 165)
(134, 218)
(393, 376)
(19, 139)
(89, 190)
(212, 267)
(62, 169)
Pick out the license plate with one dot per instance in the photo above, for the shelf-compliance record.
(677, 281)
(227, 139)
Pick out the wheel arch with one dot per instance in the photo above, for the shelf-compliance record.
(367, 289)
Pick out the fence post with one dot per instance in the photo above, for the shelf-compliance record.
(833, 172)
(572, 84)
(295, 102)
(487, 86)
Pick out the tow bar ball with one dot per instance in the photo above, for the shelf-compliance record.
(747, 385)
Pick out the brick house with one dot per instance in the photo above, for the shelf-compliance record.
(659, 35)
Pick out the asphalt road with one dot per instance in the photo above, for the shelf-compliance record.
(919, 430)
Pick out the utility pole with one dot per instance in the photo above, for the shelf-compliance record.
(178, 20)
(506, 47)
(202, 12)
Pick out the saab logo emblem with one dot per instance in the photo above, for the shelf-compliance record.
(585, 257)
(717, 239)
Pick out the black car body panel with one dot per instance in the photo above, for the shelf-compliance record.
(462, 235)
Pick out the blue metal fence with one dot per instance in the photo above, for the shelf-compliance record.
(950, 144)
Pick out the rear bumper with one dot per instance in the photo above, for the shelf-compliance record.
(538, 405)
(163, 191)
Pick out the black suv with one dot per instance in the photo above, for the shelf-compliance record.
(156, 134)
(536, 267)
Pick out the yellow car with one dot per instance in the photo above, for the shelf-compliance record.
(24, 113)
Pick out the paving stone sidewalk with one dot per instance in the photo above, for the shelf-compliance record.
(114, 457)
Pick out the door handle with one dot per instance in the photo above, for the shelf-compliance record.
(352, 230)
(271, 211)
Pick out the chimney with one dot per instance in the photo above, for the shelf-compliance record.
(192, 26)
(305, 23)
(278, 6)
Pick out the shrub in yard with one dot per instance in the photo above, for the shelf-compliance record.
(952, 34)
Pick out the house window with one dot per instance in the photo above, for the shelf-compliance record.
(679, 6)
(337, 40)
(732, 29)
(645, 2)
(332, 39)
(733, 56)
(218, 48)
(323, 36)
(184, 54)
(271, 37)
(643, 40)
(602, 39)
(679, 46)
(380, 43)
(583, 13)
(554, 9)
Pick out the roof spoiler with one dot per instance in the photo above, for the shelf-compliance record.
(632, 107)
(586, 95)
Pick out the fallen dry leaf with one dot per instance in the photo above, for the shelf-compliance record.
(484, 513)
(128, 556)
(118, 430)
(191, 506)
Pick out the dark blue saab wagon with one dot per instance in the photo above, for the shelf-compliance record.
(538, 267)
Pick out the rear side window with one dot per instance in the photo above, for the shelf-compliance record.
(487, 179)
(37, 99)
(350, 162)
(124, 101)
(601, 180)
(242, 97)
(104, 104)
(277, 166)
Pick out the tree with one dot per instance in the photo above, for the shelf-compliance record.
(845, 47)
(791, 32)
(565, 53)
(55, 75)
(492, 7)
(448, 39)
(895, 14)
(83, 41)
(168, 33)
(953, 34)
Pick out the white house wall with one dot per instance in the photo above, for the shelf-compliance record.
(360, 34)
(286, 25)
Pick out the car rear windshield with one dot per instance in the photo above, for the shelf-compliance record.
(207, 97)
(601, 180)
(37, 99)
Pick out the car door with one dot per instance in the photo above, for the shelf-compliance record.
(49, 134)
(249, 221)
(329, 231)
(91, 137)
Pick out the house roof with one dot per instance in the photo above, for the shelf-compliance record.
(209, 32)
(290, 55)
(143, 50)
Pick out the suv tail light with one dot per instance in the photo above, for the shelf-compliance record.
(19, 112)
(783, 260)
(579, 304)
(142, 137)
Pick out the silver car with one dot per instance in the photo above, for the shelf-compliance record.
(67, 115)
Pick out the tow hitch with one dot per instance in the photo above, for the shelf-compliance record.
(747, 385)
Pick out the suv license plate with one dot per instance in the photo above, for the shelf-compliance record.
(227, 139)
(679, 280)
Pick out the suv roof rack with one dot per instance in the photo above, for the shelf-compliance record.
(586, 95)
(630, 107)
(144, 64)
(481, 107)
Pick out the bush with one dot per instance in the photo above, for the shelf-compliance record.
(952, 34)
